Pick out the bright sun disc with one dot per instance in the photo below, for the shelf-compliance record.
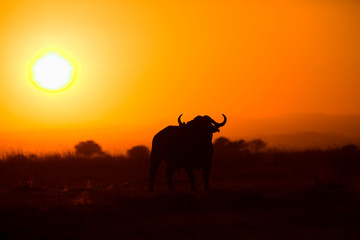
(52, 72)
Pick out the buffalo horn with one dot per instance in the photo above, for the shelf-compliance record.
(218, 124)
(179, 120)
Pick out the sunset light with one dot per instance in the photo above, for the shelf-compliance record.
(179, 119)
(52, 72)
(116, 72)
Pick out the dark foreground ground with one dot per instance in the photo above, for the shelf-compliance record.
(327, 212)
(107, 200)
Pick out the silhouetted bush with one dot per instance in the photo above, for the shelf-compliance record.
(234, 161)
(223, 143)
(256, 145)
(350, 148)
(17, 158)
(233, 152)
(139, 153)
(88, 148)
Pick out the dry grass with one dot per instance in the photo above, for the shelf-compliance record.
(311, 194)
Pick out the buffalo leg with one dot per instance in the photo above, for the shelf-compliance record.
(155, 161)
(206, 179)
(152, 178)
(169, 174)
(190, 173)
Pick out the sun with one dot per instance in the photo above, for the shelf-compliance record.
(52, 72)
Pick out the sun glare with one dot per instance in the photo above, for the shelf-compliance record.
(52, 72)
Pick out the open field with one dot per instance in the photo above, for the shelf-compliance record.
(271, 195)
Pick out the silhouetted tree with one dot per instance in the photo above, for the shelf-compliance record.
(139, 153)
(256, 145)
(240, 145)
(221, 142)
(224, 144)
(234, 152)
(228, 151)
(88, 148)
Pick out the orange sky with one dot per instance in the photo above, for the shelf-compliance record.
(139, 64)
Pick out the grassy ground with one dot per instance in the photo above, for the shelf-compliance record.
(307, 195)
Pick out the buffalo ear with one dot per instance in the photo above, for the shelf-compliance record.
(215, 129)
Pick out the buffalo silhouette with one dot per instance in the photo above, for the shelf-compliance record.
(186, 146)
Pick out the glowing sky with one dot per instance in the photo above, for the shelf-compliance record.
(140, 64)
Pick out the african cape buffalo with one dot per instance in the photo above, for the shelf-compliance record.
(186, 146)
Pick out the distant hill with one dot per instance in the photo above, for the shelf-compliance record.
(303, 140)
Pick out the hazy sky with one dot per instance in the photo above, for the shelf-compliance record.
(267, 65)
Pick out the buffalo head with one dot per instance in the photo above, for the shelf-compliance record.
(203, 123)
